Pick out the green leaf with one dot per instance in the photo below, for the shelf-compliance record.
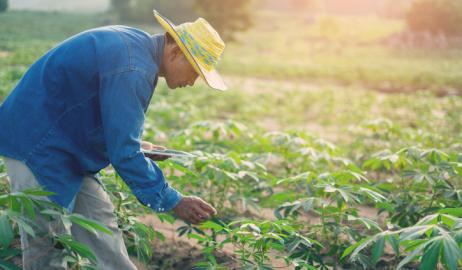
(427, 220)
(430, 256)
(4, 199)
(167, 217)
(394, 243)
(183, 229)
(37, 192)
(411, 256)
(410, 245)
(377, 197)
(6, 232)
(28, 207)
(358, 247)
(274, 236)
(50, 212)
(281, 197)
(211, 225)
(377, 249)
(451, 211)
(180, 168)
(414, 232)
(367, 222)
(89, 224)
(449, 220)
(76, 247)
(351, 248)
(452, 252)
(8, 266)
(15, 206)
(10, 252)
(196, 236)
(22, 222)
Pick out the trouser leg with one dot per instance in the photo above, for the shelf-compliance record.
(37, 253)
(93, 202)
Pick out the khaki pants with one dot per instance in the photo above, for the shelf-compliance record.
(92, 202)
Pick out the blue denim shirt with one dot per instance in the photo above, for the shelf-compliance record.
(81, 107)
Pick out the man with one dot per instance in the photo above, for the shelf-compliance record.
(81, 107)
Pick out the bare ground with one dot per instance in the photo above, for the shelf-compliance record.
(182, 252)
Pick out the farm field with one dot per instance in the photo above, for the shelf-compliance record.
(332, 150)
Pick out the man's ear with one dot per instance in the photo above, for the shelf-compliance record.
(175, 52)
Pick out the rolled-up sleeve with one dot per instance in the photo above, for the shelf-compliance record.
(124, 98)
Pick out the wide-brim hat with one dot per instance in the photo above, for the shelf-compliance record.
(202, 46)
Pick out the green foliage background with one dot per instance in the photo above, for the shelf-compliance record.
(141, 10)
(3, 5)
(227, 16)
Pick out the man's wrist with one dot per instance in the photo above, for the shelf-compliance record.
(170, 200)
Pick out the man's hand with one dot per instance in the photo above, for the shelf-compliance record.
(149, 146)
(194, 210)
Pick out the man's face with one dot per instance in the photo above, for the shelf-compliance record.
(178, 71)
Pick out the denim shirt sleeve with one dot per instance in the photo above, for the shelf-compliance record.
(123, 99)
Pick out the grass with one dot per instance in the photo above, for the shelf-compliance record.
(26, 35)
(343, 50)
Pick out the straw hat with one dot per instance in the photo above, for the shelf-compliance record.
(201, 45)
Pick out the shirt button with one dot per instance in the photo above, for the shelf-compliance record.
(149, 205)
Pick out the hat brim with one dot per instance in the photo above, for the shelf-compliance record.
(211, 77)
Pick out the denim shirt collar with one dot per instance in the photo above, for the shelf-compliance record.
(157, 53)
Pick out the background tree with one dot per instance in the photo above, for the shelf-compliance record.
(121, 8)
(226, 16)
(141, 10)
(436, 16)
(3, 5)
(396, 9)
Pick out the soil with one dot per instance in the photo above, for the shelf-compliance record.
(257, 85)
(178, 255)
(179, 252)
(182, 253)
